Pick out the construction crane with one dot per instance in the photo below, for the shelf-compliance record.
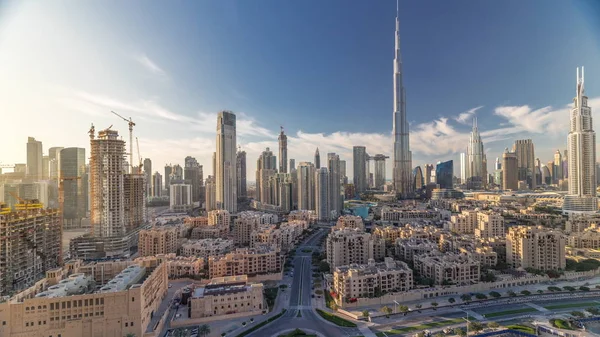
(24, 205)
(131, 125)
(137, 143)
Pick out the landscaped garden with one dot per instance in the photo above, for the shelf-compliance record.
(336, 319)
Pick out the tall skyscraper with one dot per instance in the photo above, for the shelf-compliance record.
(510, 168)
(444, 174)
(317, 159)
(54, 162)
(476, 171)
(334, 190)
(192, 174)
(463, 167)
(558, 166)
(225, 179)
(156, 185)
(265, 169)
(498, 165)
(168, 171)
(379, 179)
(148, 172)
(292, 164)
(359, 158)
(210, 202)
(418, 177)
(565, 164)
(241, 174)
(581, 144)
(428, 170)
(402, 156)
(75, 191)
(524, 150)
(306, 186)
(34, 159)
(322, 183)
(282, 152)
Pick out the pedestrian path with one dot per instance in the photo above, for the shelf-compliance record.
(537, 307)
(365, 331)
(474, 314)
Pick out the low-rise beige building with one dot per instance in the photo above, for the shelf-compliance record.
(448, 268)
(372, 279)
(463, 223)
(215, 225)
(246, 261)
(349, 221)
(406, 249)
(158, 240)
(535, 247)
(349, 246)
(485, 255)
(178, 266)
(589, 238)
(206, 248)
(224, 297)
(489, 224)
(65, 304)
(398, 216)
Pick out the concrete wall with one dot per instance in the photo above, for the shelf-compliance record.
(185, 322)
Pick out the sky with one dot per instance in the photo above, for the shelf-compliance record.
(321, 69)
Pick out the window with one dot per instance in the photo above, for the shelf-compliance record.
(131, 324)
(133, 299)
(126, 324)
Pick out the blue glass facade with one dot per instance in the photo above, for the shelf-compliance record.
(444, 173)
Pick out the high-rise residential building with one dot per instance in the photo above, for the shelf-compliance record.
(565, 164)
(558, 165)
(444, 174)
(582, 155)
(30, 241)
(192, 174)
(498, 165)
(210, 198)
(282, 152)
(322, 194)
(535, 247)
(344, 176)
(476, 170)
(292, 164)
(294, 187)
(317, 159)
(349, 246)
(428, 170)
(180, 197)
(359, 158)
(45, 167)
(419, 179)
(335, 189)
(54, 162)
(156, 185)
(225, 178)
(134, 198)
(463, 167)
(266, 166)
(168, 171)
(176, 175)
(158, 240)
(379, 178)
(524, 150)
(34, 159)
(148, 172)
(74, 186)
(402, 168)
(306, 186)
(242, 191)
(510, 167)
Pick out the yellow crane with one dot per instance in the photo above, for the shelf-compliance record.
(137, 143)
(131, 125)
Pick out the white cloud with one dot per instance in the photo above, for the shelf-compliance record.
(145, 61)
(465, 117)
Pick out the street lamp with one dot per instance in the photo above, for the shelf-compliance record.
(467, 319)
(396, 304)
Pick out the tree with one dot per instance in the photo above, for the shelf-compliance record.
(495, 294)
(386, 310)
(465, 298)
(334, 306)
(460, 331)
(480, 296)
(418, 307)
(324, 267)
(130, 335)
(525, 292)
(366, 314)
(593, 311)
(493, 325)
(540, 291)
(577, 314)
(403, 309)
(204, 330)
(475, 326)
(421, 334)
(434, 305)
(511, 293)
(451, 300)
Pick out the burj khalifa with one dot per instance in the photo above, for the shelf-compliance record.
(402, 172)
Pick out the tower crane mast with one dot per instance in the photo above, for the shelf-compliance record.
(131, 125)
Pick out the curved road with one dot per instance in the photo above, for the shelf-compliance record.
(300, 300)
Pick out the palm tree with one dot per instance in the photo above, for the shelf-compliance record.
(418, 307)
(403, 309)
(493, 325)
(366, 314)
(334, 307)
(434, 305)
(451, 300)
(460, 331)
(204, 329)
(130, 335)
(386, 310)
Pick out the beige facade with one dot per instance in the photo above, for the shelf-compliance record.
(485, 255)
(30, 244)
(372, 279)
(85, 313)
(535, 247)
(590, 238)
(407, 249)
(349, 246)
(349, 221)
(178, 266)
(158, 240)
(448, 268)
(205, 229)
(219, 218)
(464, 223)
(303, 214)
(283, 237)
(246, 261)
(402, 216)
(489, 225)
(227, 296)
(205, 248)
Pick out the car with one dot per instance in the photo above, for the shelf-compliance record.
(170, 285)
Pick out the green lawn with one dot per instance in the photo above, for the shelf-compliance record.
(509, 312)
(522, 328)
(297, 333)
(380, 334)
(423, 326)
(260, 325)
(571, 305)
(335, 319)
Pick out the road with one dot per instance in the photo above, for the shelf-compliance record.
(300, 299)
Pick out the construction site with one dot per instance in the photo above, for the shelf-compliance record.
(30, 244)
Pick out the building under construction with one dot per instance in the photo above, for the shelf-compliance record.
(30, 244)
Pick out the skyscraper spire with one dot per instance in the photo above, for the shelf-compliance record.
(402, 172)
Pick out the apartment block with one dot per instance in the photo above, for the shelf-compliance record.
(372, 279)
(178, 266)
(66, 304)
(489, 225)
(246, 261)
(225, 296)
(30, 244)
(210, 227)
(407, 249)
(589, 238)
(349, 221)
(398, 216)
(158, 240)
(463, 223)
(448, 268)
(535, 247)
(349, 246)
(204, 248)
(485, 255)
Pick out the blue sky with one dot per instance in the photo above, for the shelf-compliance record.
(322, 69)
